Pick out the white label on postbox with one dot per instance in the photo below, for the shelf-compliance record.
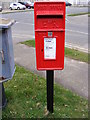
(49, 48)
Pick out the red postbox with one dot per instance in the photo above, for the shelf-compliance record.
(49, 35)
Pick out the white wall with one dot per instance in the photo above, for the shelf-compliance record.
(70, 1)
(78, 1)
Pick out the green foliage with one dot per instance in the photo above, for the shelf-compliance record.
(30, 43)
(85, 13)
(77, 55)
(26, 95)
(71, 53)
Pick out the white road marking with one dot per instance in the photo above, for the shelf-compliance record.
(76, 24)
(16, 22)
(24, 23)
(70, 22)
(77, 31)
(65, 29)
(73, 46)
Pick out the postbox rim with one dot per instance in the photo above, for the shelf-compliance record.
(49, 1)
(40, 2)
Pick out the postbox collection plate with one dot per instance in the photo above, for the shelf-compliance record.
(49, 20)
(49, 48)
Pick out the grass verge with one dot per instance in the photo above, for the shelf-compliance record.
(15, 11)
(26, 95)
(71, 53)
(84, 13)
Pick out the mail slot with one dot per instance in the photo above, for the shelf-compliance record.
(49, 35)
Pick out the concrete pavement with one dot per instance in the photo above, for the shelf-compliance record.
(73, 77)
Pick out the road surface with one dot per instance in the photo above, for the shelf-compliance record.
(76, 27)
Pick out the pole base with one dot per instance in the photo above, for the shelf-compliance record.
(3, 100)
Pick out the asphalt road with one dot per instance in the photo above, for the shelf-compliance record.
(74, 10)
(76, 27)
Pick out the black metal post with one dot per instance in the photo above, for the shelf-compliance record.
(50, 83)
(2, 96)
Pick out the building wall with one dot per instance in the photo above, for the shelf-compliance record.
(78, 2)
(15, 0)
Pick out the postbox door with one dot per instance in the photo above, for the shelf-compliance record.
(50, 35)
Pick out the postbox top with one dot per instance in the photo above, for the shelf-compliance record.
(6, 23)
(50, 1)
(53, 6)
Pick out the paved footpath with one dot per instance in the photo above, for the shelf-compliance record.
(73, 77)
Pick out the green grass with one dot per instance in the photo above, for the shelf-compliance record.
(30, 43)
(26, 95)
(77, 55)
(85, 13)
(71, 53)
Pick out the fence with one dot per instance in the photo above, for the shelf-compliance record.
(78, 2)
